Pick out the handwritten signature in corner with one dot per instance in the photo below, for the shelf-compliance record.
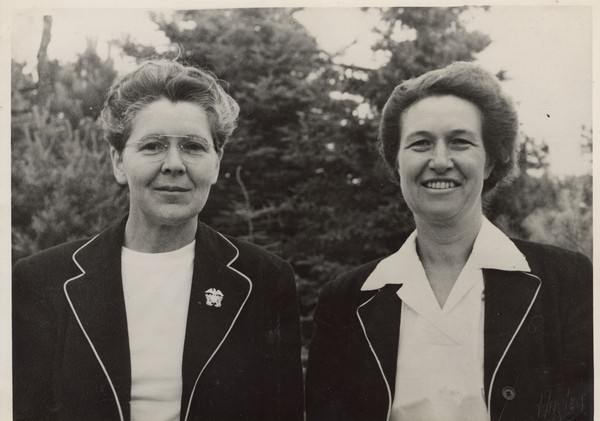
(554, 406)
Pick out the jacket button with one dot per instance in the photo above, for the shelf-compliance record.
(508, 393)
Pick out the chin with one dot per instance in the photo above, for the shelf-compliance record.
(177, 216)
(439, 215)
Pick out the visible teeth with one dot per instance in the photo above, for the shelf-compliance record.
(441, 184)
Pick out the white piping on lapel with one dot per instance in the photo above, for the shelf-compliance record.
(489, 400)
(389, 392)
(237, 253)
(112, 387)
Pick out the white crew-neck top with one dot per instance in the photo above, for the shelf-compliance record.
(157, 290)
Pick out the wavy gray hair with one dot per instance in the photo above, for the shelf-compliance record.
(156, 79)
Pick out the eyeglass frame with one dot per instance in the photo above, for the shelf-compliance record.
(184, 155)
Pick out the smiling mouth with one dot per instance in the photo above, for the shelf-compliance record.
(172, 189)
(440, 185)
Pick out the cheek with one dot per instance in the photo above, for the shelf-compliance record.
(204, 176)
(407, 165)
(403, 171)
(137, 174)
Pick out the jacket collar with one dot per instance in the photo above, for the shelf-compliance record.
(379, 317)
(208, 326)
(509, 297)
(97, 301)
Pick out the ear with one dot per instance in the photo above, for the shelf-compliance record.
(116, 158)
(489, 166)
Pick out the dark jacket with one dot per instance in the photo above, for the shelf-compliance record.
(71, 361)
(538, 340)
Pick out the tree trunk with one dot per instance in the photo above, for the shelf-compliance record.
(44, 71)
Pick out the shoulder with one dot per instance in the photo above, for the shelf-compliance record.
(533, 248)
(266, 270)
(562, 272)
(251, 253)
(349, 283)
(48, 269)
(52, 257)
(255, 260)
(234, 250)
(546, 258)
(60, 258)
(339, 298)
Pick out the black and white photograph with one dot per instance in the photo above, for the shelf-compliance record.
(333, 211)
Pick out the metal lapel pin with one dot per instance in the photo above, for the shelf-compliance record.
(213, 297)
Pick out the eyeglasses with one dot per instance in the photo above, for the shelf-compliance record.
(156, 146)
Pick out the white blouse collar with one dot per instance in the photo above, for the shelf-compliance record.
(492, 250)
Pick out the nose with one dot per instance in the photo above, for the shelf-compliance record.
(441, 160)
(173, 162)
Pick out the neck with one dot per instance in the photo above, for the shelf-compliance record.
(444, 250)
(158, 238)
(439, 243)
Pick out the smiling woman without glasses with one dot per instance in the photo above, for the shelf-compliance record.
(461, 323)
(159, 317)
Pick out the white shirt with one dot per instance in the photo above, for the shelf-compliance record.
(439, 374)
(157, 290)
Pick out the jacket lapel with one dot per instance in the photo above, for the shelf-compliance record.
(97, 302)
(209, 324)
(509, 297)
(380, 320)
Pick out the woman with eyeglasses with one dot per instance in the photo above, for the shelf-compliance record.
(159, 317)
(462, 323)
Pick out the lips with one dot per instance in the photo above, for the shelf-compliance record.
(441, 184)
(172, 189)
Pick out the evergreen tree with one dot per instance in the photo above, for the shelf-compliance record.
(62, 184)
(302, 175)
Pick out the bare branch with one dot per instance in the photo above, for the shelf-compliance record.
(238, 177)
(44, 73)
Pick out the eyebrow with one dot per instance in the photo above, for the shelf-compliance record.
(418, 133)
(452, 132)
(174, 135)
(463, 131)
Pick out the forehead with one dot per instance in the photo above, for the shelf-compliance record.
(440, 114)
(175, 118)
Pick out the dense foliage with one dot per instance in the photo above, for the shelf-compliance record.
(301, 176)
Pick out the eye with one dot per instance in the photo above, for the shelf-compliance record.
(195, 146)
(419, 144)
(460, 143)
(152, 145)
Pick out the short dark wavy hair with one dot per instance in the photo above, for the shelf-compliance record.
(470, 82)
(156, 79)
